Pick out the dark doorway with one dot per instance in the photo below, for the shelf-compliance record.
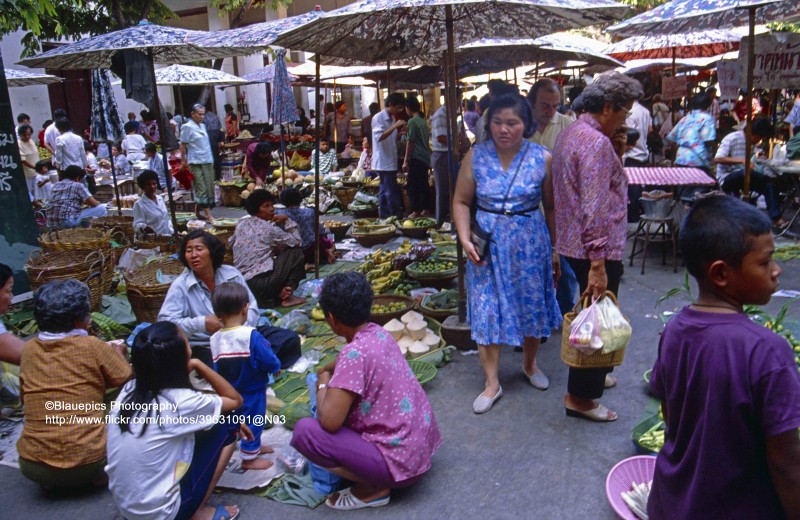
(74, 94)
(189, 94)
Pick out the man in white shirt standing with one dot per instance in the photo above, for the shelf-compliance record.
(51, 132)
(384, 155)
(440, 164)
(545, 99)
(69, 147)
(638, 155)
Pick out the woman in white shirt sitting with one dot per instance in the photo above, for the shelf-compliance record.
(150, 212)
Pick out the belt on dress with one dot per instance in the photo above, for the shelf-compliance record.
(520, 213)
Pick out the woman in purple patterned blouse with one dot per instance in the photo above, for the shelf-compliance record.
(590, 191)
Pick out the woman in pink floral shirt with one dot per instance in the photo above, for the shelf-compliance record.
(590, 192)
(374, 423)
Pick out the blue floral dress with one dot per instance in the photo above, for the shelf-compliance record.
(513, 296)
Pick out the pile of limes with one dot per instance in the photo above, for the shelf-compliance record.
(389, 307)
(434, 265)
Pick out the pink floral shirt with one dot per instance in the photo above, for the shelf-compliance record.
(590, 192)
(391, 410)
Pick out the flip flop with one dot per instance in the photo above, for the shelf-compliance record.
(599, 414)
(610, 382)
(220, 513)
(347, 501)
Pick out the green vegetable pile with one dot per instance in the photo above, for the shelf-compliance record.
(433, 265)
(390, 307)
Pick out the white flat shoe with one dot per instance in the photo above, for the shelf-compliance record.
(538, 380)
(483, 404)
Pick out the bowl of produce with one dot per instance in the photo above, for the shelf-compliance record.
(440, 305)
(628, 483)
(361, 210)
(433, 271)
(338, 228)
(372, 236)
(386, 308)
(416, 227)
(424, 372)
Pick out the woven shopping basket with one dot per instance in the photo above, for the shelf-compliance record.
(86, 266)
(166, 243)
(83, 239)
(145, 293)
(576, 359)
(112, 223)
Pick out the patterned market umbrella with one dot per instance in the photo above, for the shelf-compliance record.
(190, 75)
(20, 78)
(284, 106)
(265, 75)
(685, 16)
(380, 31)
(699, 44)
(106, 124)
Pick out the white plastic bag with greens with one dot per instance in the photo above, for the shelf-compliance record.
(614, 329)
(583, 331)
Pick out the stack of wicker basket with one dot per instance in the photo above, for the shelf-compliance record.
(146, 293)
(83, 265)
(166, 244)
(85, 241)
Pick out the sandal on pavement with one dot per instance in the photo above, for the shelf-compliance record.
(220, 513)
(610, 382)
(347, 501)
(598, 414)
(483, 404)
(538, 380)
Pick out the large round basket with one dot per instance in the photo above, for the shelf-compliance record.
(86, 266)
(365, 213)
(385, 299)
(373, 239)
(345, 196)
(339, 232)
(414, 232)
(121, 223)
(145, 293)
(436, 279)
(348, 183)
(165, 243)
(231, 195)
(74, 239)
(371, 189)
(622, 477)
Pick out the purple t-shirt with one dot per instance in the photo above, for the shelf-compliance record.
(727, 384)
(391, 410)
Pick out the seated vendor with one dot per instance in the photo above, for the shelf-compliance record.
(266, 249)
(66, 365)
(374, 424)
(156, 163)
(327, 162)
(68, 197)
(10, 345)
(291, 198)
(150, 213)
(188, 301)
(121, 164)
(257, 161)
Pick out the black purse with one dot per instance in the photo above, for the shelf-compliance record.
(479, 237)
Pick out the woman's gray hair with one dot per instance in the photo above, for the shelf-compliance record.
(614, 88)
(198, 106)
(61, 304)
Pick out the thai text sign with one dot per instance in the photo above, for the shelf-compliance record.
(777, 62)
(673, 88)
(728, 76)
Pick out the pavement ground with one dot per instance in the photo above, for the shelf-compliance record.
(523, 459)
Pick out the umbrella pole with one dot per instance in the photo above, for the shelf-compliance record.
(335, 125)
(114, 179)
(316, 179)
(675, 104)
(378, 91)
(450, 101)
(163, 135)
(536, 71)
(388, 77)
(180, 101)
(516, 81)
(748, 131)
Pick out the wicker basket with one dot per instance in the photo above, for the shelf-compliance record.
(438, 279)
(415, 232)
(121, 223)
(576, 359)
(384, 299)
(83, 265)
(223, 237)
(439, 314)
(231, 195)
(145, 294)
(339, 232)
(167, 244)
(74, 239)
(345, 196)
(373, 239)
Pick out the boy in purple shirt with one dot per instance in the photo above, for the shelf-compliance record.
(729, 387)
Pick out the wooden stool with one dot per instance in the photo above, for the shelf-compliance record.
(664, 232)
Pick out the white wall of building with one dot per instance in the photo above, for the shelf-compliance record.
(33, 100)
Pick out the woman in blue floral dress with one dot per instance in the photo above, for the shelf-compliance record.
(512, 298)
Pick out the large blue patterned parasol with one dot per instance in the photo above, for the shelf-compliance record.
(21, 78)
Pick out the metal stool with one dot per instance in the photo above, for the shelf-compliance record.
(665, 231)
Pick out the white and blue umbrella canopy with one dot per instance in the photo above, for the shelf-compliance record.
(265, 75)
(106, 121)
(687, 16)
(168, 45)
(191, 75)
(251, 38)
(509, 51)
(698, 44)
(284, 106)
(21, 78)
(376, 31)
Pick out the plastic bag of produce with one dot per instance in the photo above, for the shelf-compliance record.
(584, 333)
(615, 331)
(296, 321)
